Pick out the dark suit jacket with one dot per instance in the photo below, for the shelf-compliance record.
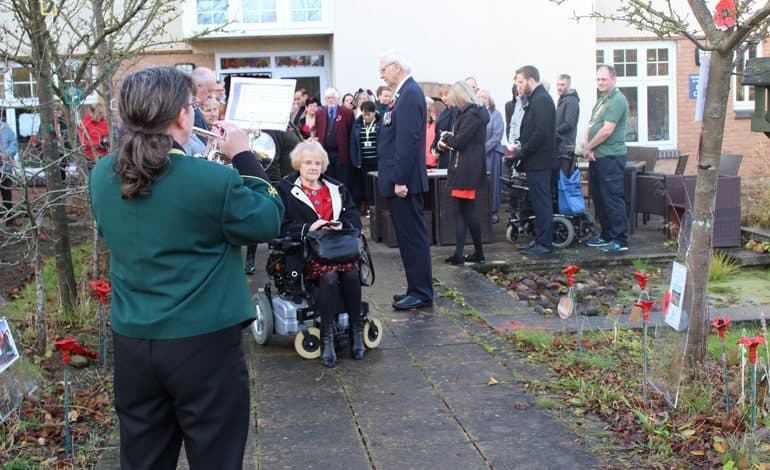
(401, 142)
(538, 132)
(444, 122)
(509, 108)
(200, 121)
(343, 122)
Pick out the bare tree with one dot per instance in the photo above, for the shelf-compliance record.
(746, 23)
(75, 45)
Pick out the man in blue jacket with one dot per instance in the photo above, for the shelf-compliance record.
(537, 150)
(403, 177)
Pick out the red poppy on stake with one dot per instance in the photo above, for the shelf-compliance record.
(724, 15)
(69, 345)
(101, 289)
(570, 272)
(666, 302)
(752, 344)
(646, 306)
(641, 279)
(720, 323)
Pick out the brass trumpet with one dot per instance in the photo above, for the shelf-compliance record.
(261, 143)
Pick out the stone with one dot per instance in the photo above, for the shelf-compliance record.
(79, 362)
(522, 289)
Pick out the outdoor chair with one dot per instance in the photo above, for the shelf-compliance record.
(729, 164)
(649, 155)
(681, 164)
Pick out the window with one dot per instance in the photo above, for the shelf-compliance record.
(212, 11)
(657, 62)
(24, 83)
(259, 11)
(624, 61)
(305, 11)
(299, 61)
(256, 62)
(744, 95)
(645, 76)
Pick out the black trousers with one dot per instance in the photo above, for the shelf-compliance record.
(6, 195)
(193, 389)
(539, 182)
(413, 244)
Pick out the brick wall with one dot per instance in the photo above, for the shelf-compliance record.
(738, 137)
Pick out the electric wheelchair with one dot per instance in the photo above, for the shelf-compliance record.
(566, 228)
(286, 306)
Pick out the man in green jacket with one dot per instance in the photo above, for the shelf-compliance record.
(174, 225)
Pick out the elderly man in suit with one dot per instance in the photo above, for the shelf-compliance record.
(333, 125)
(403, 177)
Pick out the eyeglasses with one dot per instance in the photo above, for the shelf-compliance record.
(383, 69)
(195, 102)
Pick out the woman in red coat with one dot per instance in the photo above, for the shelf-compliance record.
(94, 134)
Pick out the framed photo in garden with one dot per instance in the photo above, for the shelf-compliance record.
(8, 352)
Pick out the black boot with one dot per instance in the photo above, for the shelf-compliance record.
(250, 269)
(328, 356)
(357, 344)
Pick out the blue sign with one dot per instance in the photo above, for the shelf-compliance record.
(693, 86)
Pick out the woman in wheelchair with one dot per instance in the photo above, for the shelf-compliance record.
(316, 202)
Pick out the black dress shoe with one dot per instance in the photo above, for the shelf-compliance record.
(397, 297)
(409, 302)
(536, 250)
(474, 258)
(528, 245)
(454, 260)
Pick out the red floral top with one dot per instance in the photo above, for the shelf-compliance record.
(321, 199)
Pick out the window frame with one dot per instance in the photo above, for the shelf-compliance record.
(747, 102)
(642, 82)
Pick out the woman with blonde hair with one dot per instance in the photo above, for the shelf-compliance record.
(314, 201)
(466, 172)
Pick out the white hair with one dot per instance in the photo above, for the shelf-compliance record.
(489, 96)
(392, 56)
(331, 92)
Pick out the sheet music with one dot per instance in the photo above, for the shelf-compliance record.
(260, 102)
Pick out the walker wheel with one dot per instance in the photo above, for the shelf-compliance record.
(308, 343)
(262, 326)
(372, 333)
(511, 234)
(563, 232)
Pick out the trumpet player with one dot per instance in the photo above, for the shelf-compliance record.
(174, 226)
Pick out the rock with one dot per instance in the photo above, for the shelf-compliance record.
(523, 298)
(580, 286)
(528, 282)
(79, 362)
(522, 289)
(615, 310)
(592, 283)
(547, 311)
(609, 292)
(591, 309)
(554, 285)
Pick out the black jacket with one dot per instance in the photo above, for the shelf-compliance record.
(285, 142)
(538, 132)
(300, 213)
(443, 123)
(567, 114)
(467, 164)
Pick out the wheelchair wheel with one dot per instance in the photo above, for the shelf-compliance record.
(373, 333)
(511, 234)
(262, 326)
(585, 227)
(308, 343)
(563, 232)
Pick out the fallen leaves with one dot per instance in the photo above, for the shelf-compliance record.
(492, 381)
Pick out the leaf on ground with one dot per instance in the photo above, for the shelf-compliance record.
(688, 433)
(492, 381)
(697, 452)
(74, 415)
(720, 445)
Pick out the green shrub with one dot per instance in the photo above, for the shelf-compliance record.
(722, 266)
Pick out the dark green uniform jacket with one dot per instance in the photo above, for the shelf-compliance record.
(175, 259)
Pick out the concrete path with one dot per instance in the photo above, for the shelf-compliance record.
(420, 400)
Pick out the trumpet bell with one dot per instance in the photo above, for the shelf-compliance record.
(263, 146)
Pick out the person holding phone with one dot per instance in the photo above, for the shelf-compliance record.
(314, 201)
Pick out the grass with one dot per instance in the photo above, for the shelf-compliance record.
(538, 339)
(722, 267)
(732, 335)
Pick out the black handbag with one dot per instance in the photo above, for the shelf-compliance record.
(333, 246)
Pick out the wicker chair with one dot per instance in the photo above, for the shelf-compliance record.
(649, 155)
